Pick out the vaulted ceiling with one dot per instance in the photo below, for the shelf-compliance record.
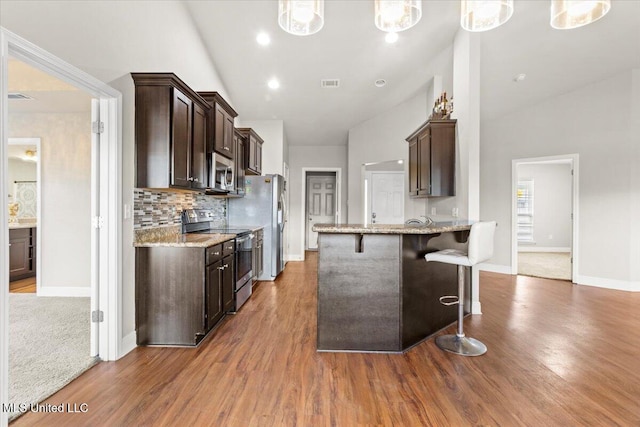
(352, 49)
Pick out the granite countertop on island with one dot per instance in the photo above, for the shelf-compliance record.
(172, 237)
(436, 227)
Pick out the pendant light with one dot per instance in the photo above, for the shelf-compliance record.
(397, 15)
(479, 15)
(301, 17)
(568, 14)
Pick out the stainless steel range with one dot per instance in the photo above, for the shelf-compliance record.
(202, 221)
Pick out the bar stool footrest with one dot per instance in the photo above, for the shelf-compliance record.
(463, 346)
(449, 300)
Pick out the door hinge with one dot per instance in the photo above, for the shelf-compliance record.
(97, 316)
(97, 221)
(97, 127)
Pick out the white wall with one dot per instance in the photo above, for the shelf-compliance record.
(634, 182)
(109, 40)
(65, 226)
(575, 122)
(310, 157)
(551, 203)
(380, 139)
(273, 149)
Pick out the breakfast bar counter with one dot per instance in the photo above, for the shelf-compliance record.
(376, 292)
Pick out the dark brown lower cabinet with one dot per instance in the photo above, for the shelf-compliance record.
(180, 293)
(22, 253)
(228, 298)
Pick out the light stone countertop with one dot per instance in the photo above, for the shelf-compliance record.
(253, 228)
(437, 227)
(171, 236)
(16, 225)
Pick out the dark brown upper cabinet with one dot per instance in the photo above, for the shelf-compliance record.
(432, 159)
(253, 155)
(221, 128)
(240, 163)
(170, 132)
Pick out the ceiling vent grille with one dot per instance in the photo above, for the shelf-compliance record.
(329, 83)
(21, 96)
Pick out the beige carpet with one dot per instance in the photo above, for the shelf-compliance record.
(49, 345)
(549, 265)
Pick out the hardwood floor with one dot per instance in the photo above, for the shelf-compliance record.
(559, 355)
(23, 286)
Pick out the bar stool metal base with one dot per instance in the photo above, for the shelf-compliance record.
(463, 346)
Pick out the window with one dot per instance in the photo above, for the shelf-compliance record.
(525, 211)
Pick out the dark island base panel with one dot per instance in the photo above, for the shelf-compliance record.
(376, 293)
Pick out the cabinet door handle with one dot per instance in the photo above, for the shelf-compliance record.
(226, 148)
(190, 178)
(220, 268)
(216, 253)
(195, 179)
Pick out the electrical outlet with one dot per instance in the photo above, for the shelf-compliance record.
(454, 212)
(433, 211)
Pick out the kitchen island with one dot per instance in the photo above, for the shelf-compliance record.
(376, 292)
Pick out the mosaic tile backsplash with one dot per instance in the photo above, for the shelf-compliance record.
(162, 208)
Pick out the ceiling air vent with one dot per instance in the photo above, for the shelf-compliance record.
(16, 95)
(329, 83)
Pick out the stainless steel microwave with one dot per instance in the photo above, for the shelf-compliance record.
(221, 177)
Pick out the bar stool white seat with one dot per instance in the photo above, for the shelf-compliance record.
(479, 249)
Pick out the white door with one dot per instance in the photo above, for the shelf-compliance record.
(387, 197)
(321, 204)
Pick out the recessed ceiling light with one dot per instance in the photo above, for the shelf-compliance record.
(273, 83)
(380, 82)
(520, 77)
(391, 37)
(263, 39)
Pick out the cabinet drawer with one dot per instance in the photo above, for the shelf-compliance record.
(214, 253)
(19, 233)
(228, 247)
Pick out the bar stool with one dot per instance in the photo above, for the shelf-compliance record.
(480, 248)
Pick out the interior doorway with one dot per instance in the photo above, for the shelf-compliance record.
(105, 138)
(383, 192)
(321, 207)
(545, 213)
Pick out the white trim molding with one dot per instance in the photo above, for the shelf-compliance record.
(129, 342)
(601, 282)
(495, 268)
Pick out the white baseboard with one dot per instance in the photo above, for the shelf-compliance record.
(63, 291)
(296, 257)
(127, 344)
(476, 307)
(494, 268)
(543, 249)
(600, 282)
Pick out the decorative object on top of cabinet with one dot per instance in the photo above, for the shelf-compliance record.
(241, 161)
(170, 129)
(253, 146)
(220, 136)
(432, 159)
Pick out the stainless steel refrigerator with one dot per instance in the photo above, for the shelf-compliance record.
(263, 204)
